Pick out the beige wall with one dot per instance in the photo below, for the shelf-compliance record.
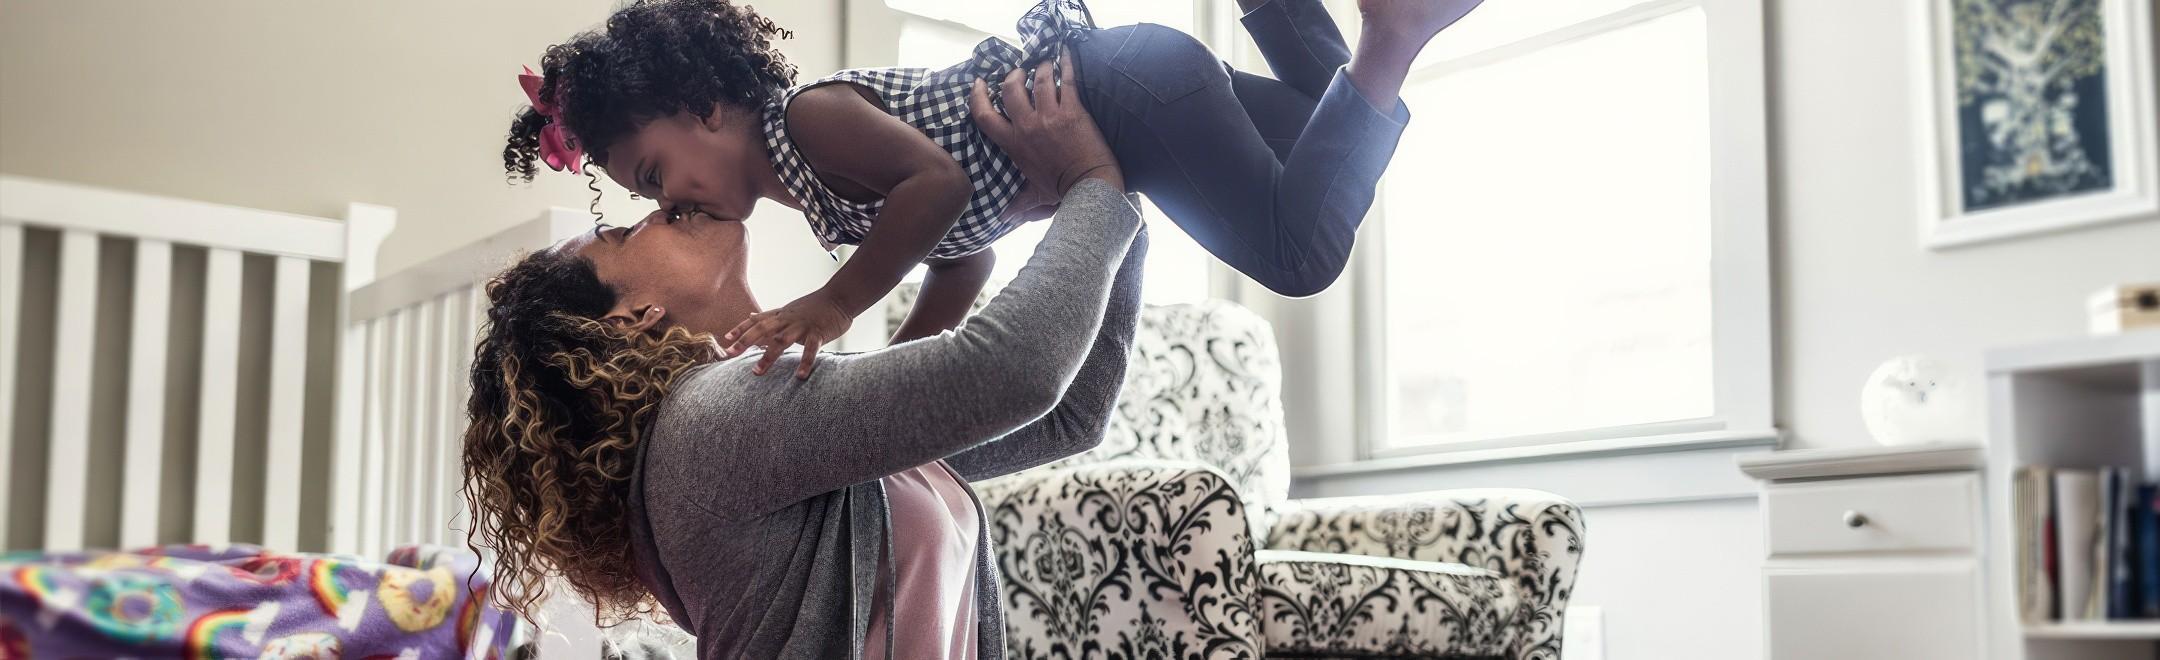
(304, 106)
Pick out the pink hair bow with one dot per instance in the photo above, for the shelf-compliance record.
(559, 151)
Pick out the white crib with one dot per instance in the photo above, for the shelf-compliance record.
(168, 367)
(412, 336)
(235, 375)
(174, 371)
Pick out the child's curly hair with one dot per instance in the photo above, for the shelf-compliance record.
(654, 58)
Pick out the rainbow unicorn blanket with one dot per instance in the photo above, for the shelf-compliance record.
(244, 602)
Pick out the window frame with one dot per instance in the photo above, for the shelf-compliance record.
(1741, 335)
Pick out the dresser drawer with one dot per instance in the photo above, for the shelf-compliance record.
(1927, 609)
(1935, 512)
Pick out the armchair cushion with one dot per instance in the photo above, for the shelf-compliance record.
(1204, 385)
(1531, 539)
(1336, 605)
(1135, 560)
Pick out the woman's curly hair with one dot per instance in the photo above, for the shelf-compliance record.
(560, 402)
(653, 59)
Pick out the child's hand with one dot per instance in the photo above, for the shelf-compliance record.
(811, 321)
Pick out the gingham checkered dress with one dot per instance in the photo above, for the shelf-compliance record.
(935, 102)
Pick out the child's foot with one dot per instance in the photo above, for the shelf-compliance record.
(1411, 23)
(1394, 32)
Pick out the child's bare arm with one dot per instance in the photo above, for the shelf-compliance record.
(948, 291)
(853, 144)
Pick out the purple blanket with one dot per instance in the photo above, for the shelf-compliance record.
(244, 602)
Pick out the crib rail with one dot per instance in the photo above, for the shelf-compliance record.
(409, 338)
(167, 367)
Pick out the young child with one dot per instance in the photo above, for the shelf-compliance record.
(687, 102)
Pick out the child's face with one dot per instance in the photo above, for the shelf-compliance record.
(694, 267)
(685, 163)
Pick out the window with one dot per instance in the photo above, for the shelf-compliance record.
(1178, 269)
(1572, 232)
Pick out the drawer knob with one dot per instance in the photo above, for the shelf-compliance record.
(1855, 519)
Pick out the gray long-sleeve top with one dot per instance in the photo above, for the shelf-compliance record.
(757, 515)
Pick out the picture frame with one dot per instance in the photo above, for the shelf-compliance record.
(2012, 141)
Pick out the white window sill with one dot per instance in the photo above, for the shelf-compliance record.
(1686, 467)
(1551, 452)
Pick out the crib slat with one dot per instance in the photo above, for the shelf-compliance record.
(394, 390)
(11, 260)
(446, 323)
(288, 403)
(410, 405)
(446, 405)
(417, 431)
(460, 364)
(348, 466)
(68, 471)
(214, 435)
(424, 437)
(146, 393)
(375, 437)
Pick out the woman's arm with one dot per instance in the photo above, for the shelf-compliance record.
(754, 445)
(1076, 424)
(948, 292)
(761, 444)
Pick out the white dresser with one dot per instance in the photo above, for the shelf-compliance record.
(1874, 553)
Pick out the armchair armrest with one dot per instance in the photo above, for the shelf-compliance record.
(1132, 559)
(1532, 539)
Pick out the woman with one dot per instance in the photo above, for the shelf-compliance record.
(612, 443)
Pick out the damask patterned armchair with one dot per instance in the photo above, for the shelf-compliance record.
(1146, 546)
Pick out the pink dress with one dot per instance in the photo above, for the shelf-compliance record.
(934, 529)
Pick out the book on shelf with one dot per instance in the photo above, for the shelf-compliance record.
(2122, 545)
(2112, 575)
(2032, 508)
(2148, 551)
(2077, 528)
(2087, 544)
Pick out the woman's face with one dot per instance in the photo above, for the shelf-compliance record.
(692, 271)
(710, 165)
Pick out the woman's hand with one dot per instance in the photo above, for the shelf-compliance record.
(1048, 133)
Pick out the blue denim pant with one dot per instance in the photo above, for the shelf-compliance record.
(1273, 176)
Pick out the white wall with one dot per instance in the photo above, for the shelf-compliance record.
(1674, 580)
(305, 106)
(1854, 287)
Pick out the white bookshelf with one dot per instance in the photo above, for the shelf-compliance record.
(2080, 403)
